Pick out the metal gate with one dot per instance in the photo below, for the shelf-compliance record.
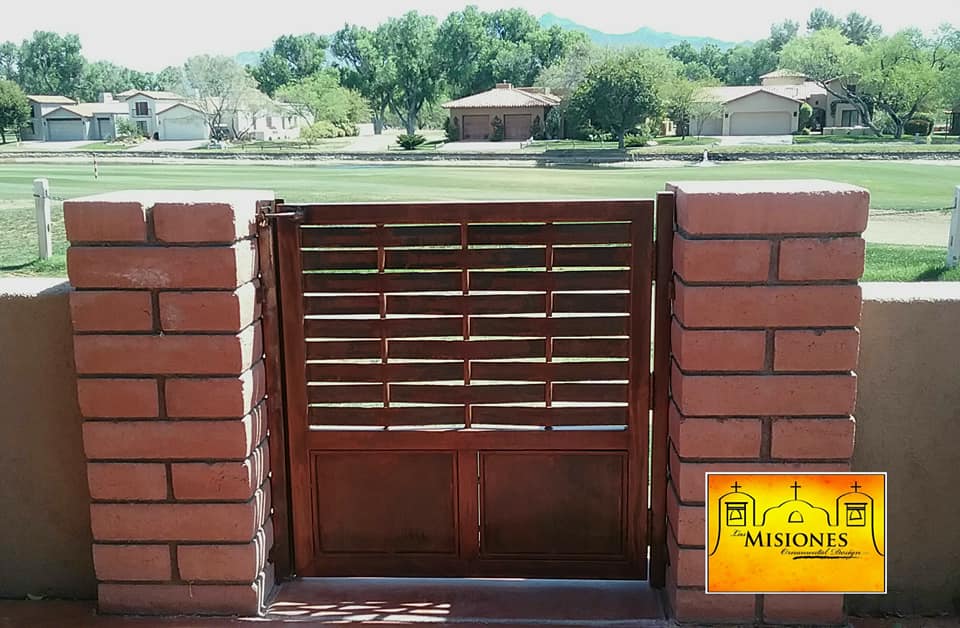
(468, 388)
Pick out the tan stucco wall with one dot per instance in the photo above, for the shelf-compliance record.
(908, 424)
(44, 502)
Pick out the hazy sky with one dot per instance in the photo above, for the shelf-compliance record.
(150, 35)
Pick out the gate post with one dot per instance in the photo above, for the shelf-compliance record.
(764, 343)
(169, 359)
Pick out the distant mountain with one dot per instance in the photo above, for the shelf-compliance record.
(641, 37)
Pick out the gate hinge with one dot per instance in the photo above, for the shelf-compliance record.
(267, 210)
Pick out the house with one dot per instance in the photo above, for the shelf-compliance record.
(40, 106)
(83, 121)
(772, 108)
(519, 109)
(144, 108)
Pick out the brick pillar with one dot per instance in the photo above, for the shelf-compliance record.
(764, 342)
(171, 385)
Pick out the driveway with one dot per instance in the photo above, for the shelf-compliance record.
(156, 146)
(755, 140)
(56, 147)
(480, 147)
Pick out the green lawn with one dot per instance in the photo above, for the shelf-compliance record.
(894, 185)
(894, 262)
(938, 140)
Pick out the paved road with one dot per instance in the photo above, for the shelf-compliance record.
(920, 228)
(155, 146)
(756, 140)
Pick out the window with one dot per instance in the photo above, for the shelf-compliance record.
(857, 515)
(736, 513)
(142, 108)
(849, 118)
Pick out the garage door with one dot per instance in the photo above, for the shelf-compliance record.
(476, 127)
(65, 130)
(517, 126)
(765, 123)
(105, 126)
(183, 128)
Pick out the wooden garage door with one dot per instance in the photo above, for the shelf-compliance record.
(476, 127)
(761, 123)
(517, 126)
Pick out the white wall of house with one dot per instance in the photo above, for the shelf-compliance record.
(182, 123)
(36, 129)
(760, 113)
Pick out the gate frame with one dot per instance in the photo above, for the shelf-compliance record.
(277, 221)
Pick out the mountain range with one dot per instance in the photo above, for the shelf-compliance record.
(641, 37)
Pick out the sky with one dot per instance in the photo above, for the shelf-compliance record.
(151, 35)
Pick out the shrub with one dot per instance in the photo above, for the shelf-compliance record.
(920, 123)
(127, 128)
(452, 129)
(635, 141)
(536, 129)
(410, 142)
(320, 130)
(554, 124)
(498, 130)
(805, 131)
(805, 116)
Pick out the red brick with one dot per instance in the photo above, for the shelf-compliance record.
(820, 609)
(693, 605)
(217, 396)
(687, 564)
(183, 599)
(767, 306)
(813, 259)
(175, 267)
(812, 438)
(168, 354)
(816, 350)
(238, 522)
(232, 439)
(721, 260)
(132, 562)
(688, 523)
(228, 216)
(221, 480)
(226, 563)
(760, 395)
(770, 207)
(111, 310)
(718, 350)
(118, 398)
(714, 437)
(688, 477)
(209, 311)
(103, 221)
(127, 481)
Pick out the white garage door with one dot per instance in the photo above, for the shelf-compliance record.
(761, 123)
(65, 130)
(185, 128)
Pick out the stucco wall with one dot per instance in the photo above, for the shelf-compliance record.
(908, 424)
(44, 503)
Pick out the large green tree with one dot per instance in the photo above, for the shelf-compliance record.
(14, 108)
(366, 67)
(320, 97)
(619, 93)
(103, 77)
(781, 33)
(410, 41)
(821, 19)
(859, 29)
(51, 64)
(220, 87)
(292, 58)
(9, 61)
(746, 63)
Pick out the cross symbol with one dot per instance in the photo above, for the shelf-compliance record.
(735, 486)
(855, 486)
(795, 486)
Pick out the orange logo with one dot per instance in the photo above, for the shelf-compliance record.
(796, 533)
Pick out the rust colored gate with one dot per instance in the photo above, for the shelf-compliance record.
(468, 388)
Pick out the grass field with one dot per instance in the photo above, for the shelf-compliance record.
(894, 185)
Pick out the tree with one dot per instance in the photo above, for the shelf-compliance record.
(831, 61)
(821, 19)
(859, 29)
(705, 107)
(410, 42)
(747, 63)
(621, 92)
(220, 87)
(321, 98)
(366, 68)
(292, 58)
(679, 97)
(9, 61)
(51, 64)
(102, 77)
(781, 34)
(902, 73)
(14, 108)
(564, 76)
